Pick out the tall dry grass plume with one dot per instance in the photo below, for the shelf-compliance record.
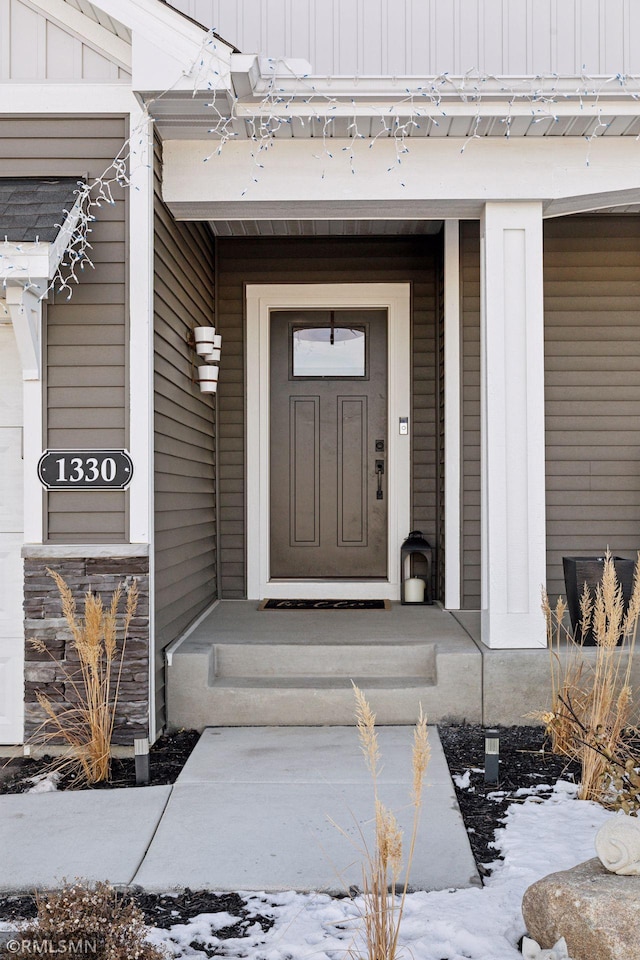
(592, 713)
(86, 726)
(383, 895)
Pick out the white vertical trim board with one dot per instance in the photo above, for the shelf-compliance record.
(12, 511)
(26, 309)
(452, 416)
(513, 443)
(261, 300)
(141, 505)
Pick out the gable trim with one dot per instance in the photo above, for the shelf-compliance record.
(84, 29)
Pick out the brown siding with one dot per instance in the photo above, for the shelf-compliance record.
(592, 388)
(85, 352)
(470, 293)
(310, 260)
(592, 392)
(184, 427)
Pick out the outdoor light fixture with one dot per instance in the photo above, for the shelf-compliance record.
(214, 356)
(208, 378)
(141, 750)
(207, 344)
(491, 755)
(204, 340)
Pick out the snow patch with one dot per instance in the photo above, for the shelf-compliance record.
(540, 836)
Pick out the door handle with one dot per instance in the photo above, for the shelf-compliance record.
(379, 472)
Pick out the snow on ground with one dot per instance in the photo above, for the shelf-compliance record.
(540, 837)
(44, 782)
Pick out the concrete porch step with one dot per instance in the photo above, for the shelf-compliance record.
(244, 667)
(308, 701)
(315, 660)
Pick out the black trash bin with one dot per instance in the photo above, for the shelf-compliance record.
(589, 570)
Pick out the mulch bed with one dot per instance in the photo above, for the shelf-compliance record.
(525, 761)
(167, 757)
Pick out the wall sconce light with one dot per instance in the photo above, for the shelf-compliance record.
(208, 378)
(214, 356)
(204, 340)
(207, 344)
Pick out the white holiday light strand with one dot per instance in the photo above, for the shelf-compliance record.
(416, 107)
(262, 122)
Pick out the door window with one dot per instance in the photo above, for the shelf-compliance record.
(329, 351)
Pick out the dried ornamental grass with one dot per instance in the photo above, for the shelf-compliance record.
(87, 919)
(381, 868)
(87, 728)
(592, 707)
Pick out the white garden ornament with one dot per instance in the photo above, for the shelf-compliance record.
(618, 845)
(533, 951)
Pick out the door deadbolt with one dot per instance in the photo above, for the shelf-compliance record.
(379, 446)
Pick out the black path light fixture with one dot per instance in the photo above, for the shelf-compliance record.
(141, 751)
(415, 589)
(208, 346)
(491, 755)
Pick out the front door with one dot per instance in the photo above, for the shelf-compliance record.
(328, 429)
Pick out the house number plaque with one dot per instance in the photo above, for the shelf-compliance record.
(85, 469)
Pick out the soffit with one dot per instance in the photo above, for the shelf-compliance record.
(323, 228)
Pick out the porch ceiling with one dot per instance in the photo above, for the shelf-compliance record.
(323, 228)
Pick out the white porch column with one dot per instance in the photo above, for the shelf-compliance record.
(512, 408)
(25, 308)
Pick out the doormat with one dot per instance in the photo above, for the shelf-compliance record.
(325, 605)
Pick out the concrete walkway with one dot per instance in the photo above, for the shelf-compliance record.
(250, 811)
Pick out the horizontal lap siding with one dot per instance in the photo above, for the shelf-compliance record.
(86, 335)
(592, 388)
(184, 427)
(312, 260)
(470, 293)
(592, 392)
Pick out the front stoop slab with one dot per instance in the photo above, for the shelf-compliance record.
(93, 834)
(252, 810)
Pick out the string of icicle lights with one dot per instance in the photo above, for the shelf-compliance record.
(293, 99)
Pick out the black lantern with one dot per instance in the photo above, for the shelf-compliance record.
(415, 544)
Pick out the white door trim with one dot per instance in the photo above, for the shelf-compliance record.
(261, 300)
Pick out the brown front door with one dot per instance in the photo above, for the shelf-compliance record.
(328, 444)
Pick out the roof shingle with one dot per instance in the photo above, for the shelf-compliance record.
(33, 208)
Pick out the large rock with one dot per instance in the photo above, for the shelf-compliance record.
(597, 912)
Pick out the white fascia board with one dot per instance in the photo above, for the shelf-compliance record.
(186, 66)
(22, 261)
(169, 51)
(87, 30)
(294, 80)
(315, 105)
(59, 246)
(433, 171)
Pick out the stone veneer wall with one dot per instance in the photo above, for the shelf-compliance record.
(48, 672)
